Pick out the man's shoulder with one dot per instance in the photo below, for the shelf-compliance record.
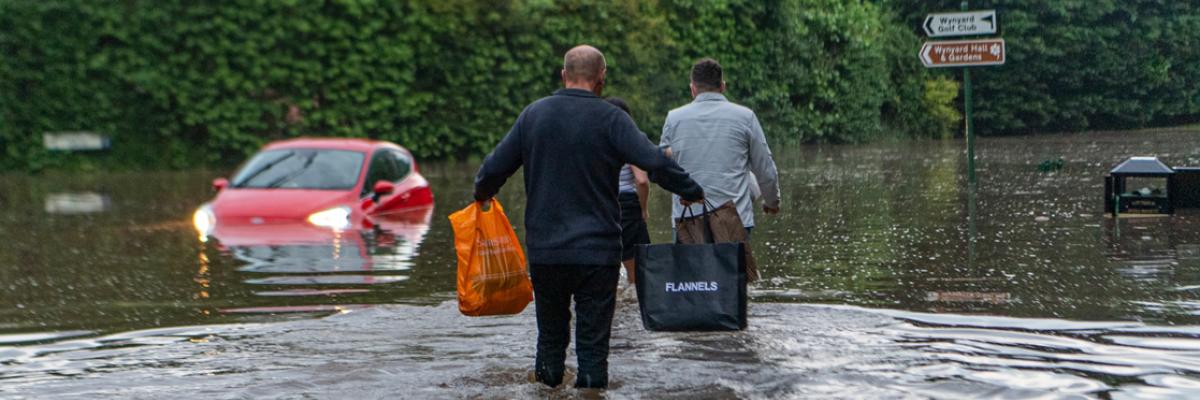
(725, 107)
(574, 102)
(542, 102)
(594, 113)
(548, 106)
(738, 110)
(681, 111)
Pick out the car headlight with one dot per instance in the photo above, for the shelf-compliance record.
(336, 218)
(204, 220)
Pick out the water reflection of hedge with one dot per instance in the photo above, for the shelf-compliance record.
(185, 83)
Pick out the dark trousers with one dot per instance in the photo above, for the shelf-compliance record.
(594, 289)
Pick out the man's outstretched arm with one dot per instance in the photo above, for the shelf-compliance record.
(499, 165)
(636, 149)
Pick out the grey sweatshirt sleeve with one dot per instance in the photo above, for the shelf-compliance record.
(633, 146)
(499, 165)
(763, 165)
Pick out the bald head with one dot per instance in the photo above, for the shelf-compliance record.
(583, 64)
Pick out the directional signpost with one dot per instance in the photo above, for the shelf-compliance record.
(963, 53)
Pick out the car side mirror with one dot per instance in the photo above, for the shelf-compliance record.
(219, 184)
(383, 187)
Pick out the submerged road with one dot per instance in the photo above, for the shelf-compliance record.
(789, 351)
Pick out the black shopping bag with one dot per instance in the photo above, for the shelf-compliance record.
(692, 287)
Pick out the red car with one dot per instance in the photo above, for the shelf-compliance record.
(301, 190)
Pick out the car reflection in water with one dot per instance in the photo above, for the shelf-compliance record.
(301, 260)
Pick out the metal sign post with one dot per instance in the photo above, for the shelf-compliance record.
(969, 128)
(965, 54)
(967, 110)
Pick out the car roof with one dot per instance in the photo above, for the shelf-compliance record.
(363, 145)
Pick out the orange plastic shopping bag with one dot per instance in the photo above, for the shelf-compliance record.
(492, 279)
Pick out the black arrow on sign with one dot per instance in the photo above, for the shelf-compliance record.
(989, 20)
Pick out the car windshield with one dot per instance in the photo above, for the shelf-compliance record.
(301, 169)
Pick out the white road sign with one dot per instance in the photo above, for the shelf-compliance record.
(961, 23)
(75, 141)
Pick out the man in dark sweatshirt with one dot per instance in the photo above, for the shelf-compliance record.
(572, 145)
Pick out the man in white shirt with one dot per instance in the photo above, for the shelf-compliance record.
(722, 146)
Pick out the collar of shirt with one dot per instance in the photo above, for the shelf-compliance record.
(709, 96)
(574, 92)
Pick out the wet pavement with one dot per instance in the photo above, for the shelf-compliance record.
(886, 277)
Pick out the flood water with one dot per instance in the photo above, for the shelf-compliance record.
(886, 276)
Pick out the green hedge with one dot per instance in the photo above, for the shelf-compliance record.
(180, 84)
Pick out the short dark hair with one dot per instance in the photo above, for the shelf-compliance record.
(620, 103)
(707, 75)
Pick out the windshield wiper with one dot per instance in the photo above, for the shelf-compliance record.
(284, 179)
(262, 169)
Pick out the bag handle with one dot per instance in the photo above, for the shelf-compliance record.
(687, 213)
(709, 210)
(493, 205)
(706, 225)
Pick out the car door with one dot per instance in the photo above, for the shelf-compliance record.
(412, 190)
(383, 167)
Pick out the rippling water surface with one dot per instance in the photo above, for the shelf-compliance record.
(886, 277)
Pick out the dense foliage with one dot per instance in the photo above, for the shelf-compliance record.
(189, 83)
(1077, 65)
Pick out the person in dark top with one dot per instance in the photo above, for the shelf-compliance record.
(634, 188)
(572, 145)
